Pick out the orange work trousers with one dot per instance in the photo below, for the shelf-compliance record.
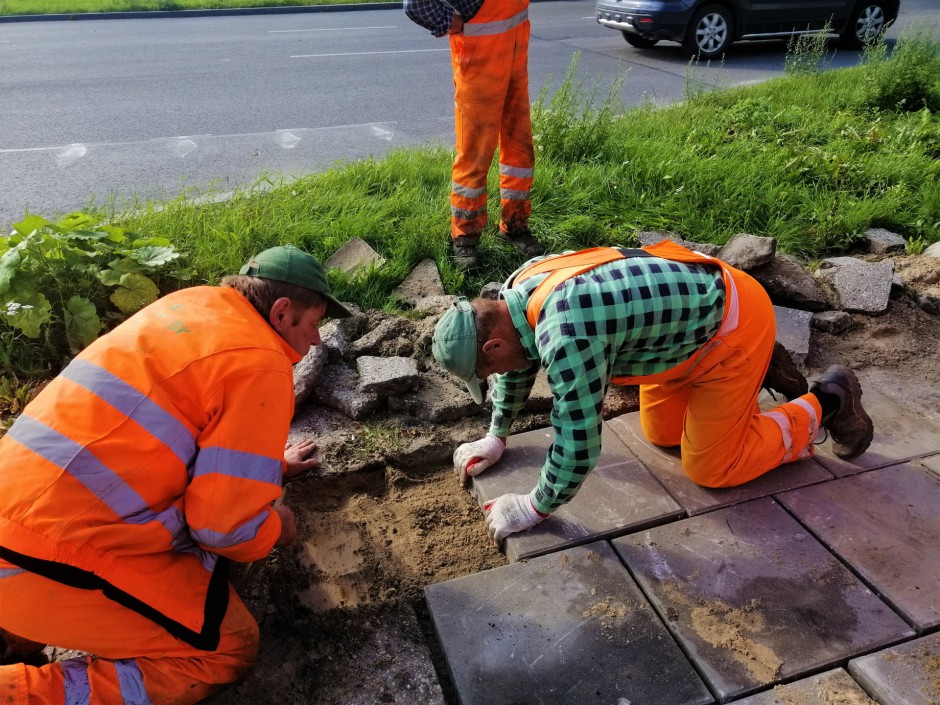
(135, 662)
(708, 404)
(491, 109)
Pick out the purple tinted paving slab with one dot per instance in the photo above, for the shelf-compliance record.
(754, 599)
(900, 434)
(666, 465)
(834, 687)
(908, 674)
(932, 463)
(569, 627)
(886, 525)
(618, 496)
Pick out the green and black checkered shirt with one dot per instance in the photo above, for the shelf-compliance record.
(635, 316)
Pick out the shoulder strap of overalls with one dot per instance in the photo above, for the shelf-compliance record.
(560, 268)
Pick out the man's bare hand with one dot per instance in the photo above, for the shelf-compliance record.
(456, 24)
(288, 526)
(294, 456)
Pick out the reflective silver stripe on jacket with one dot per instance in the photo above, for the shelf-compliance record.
(517, 171)
(474, 29)
(75, 681)
(466, 191)
(131, 682)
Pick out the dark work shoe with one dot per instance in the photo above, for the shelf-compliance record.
(464, 252)
(523, 241)
(850, 426)
(783, 376)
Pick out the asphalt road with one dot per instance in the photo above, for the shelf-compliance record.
(149, 107)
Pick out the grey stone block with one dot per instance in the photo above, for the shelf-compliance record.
(387, 375)
(754, 599)
(570, 627)
(339, 389)
(902, 675)
(491, 290)
(881, 241)
(834, 322)
(355, 256)
(666, 465)
(437, 400)
(617, 497)
(793, 331)
(422, 282)
(307, 371)
(651, 237)
(932, 251)
(789, 284)
(900, 434)
(885, 524)
(863, 287)
(829, 688)
(394, 336)
(746, 252)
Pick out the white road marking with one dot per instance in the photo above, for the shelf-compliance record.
(329, 29)
(71, 154)
(365, 53)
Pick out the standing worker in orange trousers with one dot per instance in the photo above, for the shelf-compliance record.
(695, 334)
(133, 478)
(489, 46)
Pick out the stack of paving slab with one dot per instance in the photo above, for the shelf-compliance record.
(817, 583)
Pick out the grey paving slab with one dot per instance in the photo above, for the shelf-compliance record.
(666, 465)
(754, 599)
(900, 434)
(569, 627)
(619, 496)
(886, 525)
(834, 687)
(907, 674)
(932, 463)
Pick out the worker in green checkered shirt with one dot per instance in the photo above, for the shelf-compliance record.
(695, 334)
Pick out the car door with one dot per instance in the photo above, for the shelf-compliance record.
(776, 16)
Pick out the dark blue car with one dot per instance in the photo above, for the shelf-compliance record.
(706, 28)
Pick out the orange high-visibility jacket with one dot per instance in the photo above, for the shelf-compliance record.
(155, 452)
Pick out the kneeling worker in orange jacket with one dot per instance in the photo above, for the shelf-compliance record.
(133, 478)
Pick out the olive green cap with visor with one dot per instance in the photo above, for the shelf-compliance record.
(454, 345)
(290, 265)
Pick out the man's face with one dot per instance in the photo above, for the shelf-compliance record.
(301, 327)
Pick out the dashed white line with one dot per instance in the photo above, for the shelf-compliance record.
(329, 29)
(365, 53)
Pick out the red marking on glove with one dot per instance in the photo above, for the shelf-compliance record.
(476, 460)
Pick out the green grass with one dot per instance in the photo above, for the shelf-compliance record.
(51, 7)
(812, 159)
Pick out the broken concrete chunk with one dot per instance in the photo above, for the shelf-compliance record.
(789, 284)
(651, 237)
(338, 389)
(491, 290)
(435, 304)
(355, 256)
(745, 252)
(437, 400)
(307, 371)
(862, 287)
(932, 251)
(424, 281)
(392, 337)
(336, 335)
(834, 322)
(387, 375)
(881, 241)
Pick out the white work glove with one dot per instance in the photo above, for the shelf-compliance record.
(510, 514)
(470, 459)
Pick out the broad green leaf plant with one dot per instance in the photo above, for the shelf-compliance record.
(62, 284)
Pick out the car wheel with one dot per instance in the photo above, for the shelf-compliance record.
(866, 24)
(635, 40)
(710, 32)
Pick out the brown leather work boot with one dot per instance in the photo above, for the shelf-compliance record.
(522, 240)
(783, 376)
(464, 252)
(850, 426)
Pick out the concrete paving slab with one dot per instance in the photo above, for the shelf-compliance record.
(618, 497)
(570, 627)
(900, 434)
(835, 686)
(885, 524)
(908, 674)
(754, 599)
(932, 463)
(665, 464)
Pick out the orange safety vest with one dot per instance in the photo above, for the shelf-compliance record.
(561, 268)
(155, 452)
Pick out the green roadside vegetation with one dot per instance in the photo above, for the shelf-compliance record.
(812, 159)
(73, 7)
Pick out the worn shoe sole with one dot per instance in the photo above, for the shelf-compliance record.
(842, 382)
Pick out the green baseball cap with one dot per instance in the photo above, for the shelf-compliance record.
(454, 345)
(287, 264)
